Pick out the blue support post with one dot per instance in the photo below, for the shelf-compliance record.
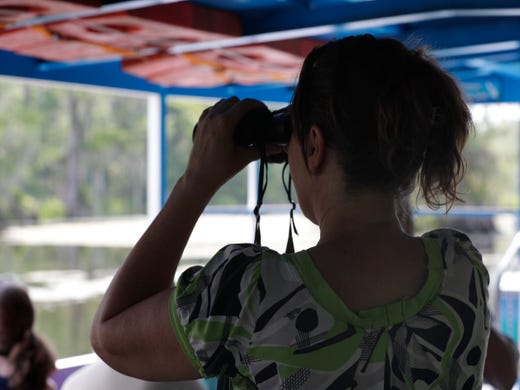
(164, 149)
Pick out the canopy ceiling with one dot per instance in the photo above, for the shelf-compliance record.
(248, 47)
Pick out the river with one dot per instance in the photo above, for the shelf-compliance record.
(68, 265)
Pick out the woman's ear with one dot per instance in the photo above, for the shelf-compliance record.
(315, 149)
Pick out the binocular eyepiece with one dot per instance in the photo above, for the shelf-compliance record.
(261, 127)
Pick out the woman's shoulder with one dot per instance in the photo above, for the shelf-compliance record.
(249, 254)
(235, 264)
(446, 234)
(454, 244)
(460, 258)
(241, 256)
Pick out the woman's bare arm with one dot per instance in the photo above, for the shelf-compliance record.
(500, 369)
(131, 330)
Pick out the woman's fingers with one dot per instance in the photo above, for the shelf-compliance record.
(223, 105)
(214, 113)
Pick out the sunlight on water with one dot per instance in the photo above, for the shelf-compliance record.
(66, 280)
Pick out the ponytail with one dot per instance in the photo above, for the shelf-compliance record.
(33, 363)
(443, 166)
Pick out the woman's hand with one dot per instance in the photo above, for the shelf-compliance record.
(215, 157)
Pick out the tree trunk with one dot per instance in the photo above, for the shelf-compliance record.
(72, 158)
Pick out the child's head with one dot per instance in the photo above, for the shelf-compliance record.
(393, 116)
(29, 354)
(16, 315)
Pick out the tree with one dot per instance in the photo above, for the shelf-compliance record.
(70, 153)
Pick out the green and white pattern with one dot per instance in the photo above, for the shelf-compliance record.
(270, 321)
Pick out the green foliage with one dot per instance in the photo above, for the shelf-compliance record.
(275, 192)
(70, 153)
(492, 157)
(181, 118)
(51, 208)
(27, 204)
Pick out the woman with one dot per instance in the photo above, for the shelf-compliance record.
(369, 306)
(26, 362)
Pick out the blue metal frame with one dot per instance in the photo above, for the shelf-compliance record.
(164, 149)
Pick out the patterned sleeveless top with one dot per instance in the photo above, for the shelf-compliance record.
(270, 321)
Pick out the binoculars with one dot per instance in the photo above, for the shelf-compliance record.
(261, 127)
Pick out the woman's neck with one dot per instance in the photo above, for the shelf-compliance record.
(355, 215)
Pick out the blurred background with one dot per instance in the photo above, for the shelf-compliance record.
(73, 178)
(98, 100)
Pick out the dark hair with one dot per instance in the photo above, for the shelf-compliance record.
(32, 358)
(394, 116)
